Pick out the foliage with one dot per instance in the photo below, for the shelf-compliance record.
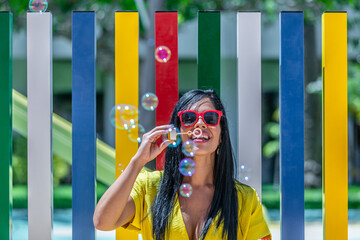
(312, 8)
(313, 197)
(62, 9)
(354, 91)
(60, 167)
(272, 129)
(62, 195)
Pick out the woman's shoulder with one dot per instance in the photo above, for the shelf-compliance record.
(150, 177)
(245, 190)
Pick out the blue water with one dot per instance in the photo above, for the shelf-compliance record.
(314, 215)
(62, 223)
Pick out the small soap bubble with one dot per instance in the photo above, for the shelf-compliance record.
(149, 101)
(122, 116)
(162, 54)
(244, 173)
(173, 135)
(186, 190)
(120, 167)
(38, 5)
(187, 167)
(189, 148)
(136, 132)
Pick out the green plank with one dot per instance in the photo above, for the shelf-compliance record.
(5, 125)
(209, 50)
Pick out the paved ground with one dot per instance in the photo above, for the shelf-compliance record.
(314, 231)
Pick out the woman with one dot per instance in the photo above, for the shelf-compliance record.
(219, 207)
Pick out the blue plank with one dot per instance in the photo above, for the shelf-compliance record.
(292, 125)
(83, 124)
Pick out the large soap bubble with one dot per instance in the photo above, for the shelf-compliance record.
(136, 132)
(122, 116)
(187, 167)
(189, 148)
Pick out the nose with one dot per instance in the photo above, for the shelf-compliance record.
(200, 123)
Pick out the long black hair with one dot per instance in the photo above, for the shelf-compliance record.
(224, 202)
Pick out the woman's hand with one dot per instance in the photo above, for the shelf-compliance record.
(149, 149)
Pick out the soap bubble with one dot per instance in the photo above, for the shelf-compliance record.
(172, 134)
(244, 173)
(162, 54)
(38, 5)
(136, 132)
(122, 116)
(189, 148)
(186, 190)
(129, 114)
(149, 101)
(120, 168)
(187, 167)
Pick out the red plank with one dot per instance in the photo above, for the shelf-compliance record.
(166, 73)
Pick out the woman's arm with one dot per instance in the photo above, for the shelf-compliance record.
(116, 207)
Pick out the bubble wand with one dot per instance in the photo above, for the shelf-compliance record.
(172, 134)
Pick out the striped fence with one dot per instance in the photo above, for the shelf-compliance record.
(84, 152)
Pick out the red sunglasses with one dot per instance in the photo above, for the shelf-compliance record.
(189, 118)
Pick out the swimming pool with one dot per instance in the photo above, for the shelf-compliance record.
(62, 224)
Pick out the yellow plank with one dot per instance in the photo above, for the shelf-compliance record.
(126, 90)
(335, 139)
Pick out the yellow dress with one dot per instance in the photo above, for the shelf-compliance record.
(251, 220)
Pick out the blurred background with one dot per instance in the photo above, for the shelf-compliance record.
(187, 19)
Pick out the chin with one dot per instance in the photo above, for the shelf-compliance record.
(203, 152)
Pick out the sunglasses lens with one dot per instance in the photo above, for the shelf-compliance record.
(211, 118)
(188, 118)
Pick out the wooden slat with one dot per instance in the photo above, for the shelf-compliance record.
(335, 130)
(292, 125)
(166, 73)
(6, 136)
(126, 90)
(39, 136)
(84, 124)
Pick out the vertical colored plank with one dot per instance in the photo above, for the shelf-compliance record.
(249, 97)
(6, 23)
(335, 130)
(292, 125)
(209, 50)
(83, 124)
(39, 136)
(126, 90)
(166, 73)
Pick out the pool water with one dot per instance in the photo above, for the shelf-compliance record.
(62, 224)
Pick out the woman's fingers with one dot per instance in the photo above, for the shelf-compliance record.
(148, 149)
(162, 127)
(164, 144)
(155, 135)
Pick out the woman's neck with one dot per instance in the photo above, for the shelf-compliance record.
(204, 172)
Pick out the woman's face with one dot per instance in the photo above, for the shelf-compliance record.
(210, 138)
